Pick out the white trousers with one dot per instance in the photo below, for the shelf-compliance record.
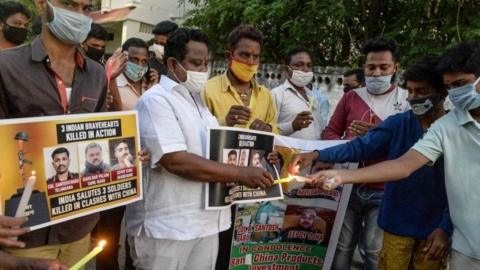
(163, 254)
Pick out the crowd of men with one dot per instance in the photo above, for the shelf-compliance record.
(425, 221)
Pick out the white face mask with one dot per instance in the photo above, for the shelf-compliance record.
(378, 85)
(159, 51)
(300, 78)
(195, 82)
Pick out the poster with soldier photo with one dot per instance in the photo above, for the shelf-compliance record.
(59, 168)
(245, 148)
(299, 232)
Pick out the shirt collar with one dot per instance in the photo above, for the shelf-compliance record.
(227, 85)
(289, 86)
(39, 54)
(122, 81)
(462, 117)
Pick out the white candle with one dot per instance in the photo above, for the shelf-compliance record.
(27, 193)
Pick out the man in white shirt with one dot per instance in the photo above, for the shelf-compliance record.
(170, 229)
(298, 110)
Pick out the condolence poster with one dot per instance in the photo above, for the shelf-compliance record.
(68, 166)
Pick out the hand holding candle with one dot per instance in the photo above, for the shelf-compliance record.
(89, 256)
(27, 193)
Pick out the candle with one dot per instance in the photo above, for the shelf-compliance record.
(89, 256)
(330, 183)
(27, 193)
(291, 178)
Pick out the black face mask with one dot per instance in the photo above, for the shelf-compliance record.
(15, 35)
(95, 54)
(426, 105)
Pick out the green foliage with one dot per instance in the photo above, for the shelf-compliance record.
(334, 30)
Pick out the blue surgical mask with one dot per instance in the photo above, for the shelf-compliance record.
(68, 26)
(135, 72)
(378, 85)
(465, 98)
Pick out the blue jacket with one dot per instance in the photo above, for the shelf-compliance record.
(414, 206)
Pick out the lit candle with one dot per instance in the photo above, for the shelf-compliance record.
(27, 193)
(330, 183)
(89, 256)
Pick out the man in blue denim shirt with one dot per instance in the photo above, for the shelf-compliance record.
(414, 212)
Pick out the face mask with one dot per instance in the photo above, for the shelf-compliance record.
(135, 72)
(159, 50)
(465, 98)
(95, 54)
(300, 78)
(15, 35)
(195, 82)
(425, 105)
(70, 27)
(378, 85)
(243, 72)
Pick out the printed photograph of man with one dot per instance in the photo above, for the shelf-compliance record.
(93, 159)
(258, 159)
(243, 161)
(303, 225)
(122, 154)
(61, 163)
(62, 173)
(230, 156)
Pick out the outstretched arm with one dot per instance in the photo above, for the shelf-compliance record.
(386, 171)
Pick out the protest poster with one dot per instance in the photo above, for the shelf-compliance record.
(58, 168)
(299, 232)
(240, 147)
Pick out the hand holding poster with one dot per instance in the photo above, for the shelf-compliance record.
(246, 148)
(83, 164)
(297, 233)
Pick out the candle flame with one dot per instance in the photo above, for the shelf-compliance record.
(102, 243)
(33, 173)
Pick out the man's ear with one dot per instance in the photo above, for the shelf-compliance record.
(171, 64)
(227, 54)
(397, 67)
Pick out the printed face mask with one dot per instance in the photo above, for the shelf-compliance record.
(425, 105)
(465, 97)
(135, 72)
(378, 85)
(68, 26)
(243, 71)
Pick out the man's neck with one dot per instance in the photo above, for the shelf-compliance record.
(56, 49)
(5, 44)
(427, 120)
(475, 114)
(63, 176)
(137, 85)
(239, 85)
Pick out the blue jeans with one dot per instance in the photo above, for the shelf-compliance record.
(360, 224)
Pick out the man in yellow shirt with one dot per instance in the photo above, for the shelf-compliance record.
(235, 98)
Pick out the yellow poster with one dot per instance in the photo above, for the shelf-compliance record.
(56, 168)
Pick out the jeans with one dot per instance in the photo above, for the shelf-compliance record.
(360, 224)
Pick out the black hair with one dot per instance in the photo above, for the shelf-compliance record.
(359, 74)
(424, 69)
(232, 152)
(97, 31)
(37, 26)
(134, 42)
(176, 46)
(10, 8)
(91, 146)
(164, 28)
(380, 44)
(293, 52)
(244, 31)
(60, 150)
(464, 58)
